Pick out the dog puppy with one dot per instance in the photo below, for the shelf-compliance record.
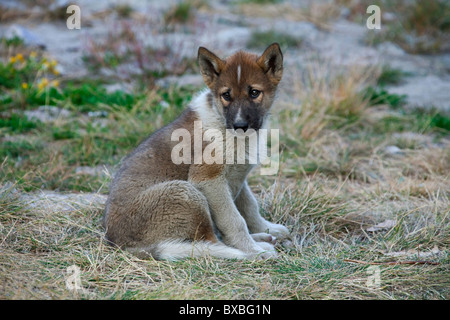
(170, 209)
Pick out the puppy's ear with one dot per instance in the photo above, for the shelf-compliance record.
(210, 66)
(271, 61)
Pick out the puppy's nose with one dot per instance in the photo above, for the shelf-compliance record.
(241, 125)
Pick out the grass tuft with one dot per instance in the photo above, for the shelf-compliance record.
(261, 39)
(419, 27)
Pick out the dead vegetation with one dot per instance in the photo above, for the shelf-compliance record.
(363, 182)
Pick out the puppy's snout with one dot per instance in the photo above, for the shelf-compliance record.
(241, 125)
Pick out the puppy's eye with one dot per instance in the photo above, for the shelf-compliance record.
(226, 96)
(254, 93)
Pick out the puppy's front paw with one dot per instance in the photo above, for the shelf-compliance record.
(266, 251)
(264, 237)
(277, 230)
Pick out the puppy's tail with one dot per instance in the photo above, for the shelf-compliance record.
(179, 249)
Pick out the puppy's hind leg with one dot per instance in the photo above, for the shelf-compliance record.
(179, 224)
(176, 210)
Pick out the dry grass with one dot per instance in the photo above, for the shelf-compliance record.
(125, 54)
(339, 177)
(320, 97)
(319, 13)
(40, 246)
(416, 26)
(335, 182)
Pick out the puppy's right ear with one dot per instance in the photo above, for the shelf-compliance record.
(210, 66)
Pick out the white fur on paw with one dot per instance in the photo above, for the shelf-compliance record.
(263, 251)
(264, 237)
(267, 255)
(265, 246)
(278, 230)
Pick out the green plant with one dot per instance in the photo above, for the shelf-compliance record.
(18, 123)
(14, 41)
(21, 148)
(261, 39)
(390, 76)
(123, 10)
(379, 95)
(431, 118)
(440, 120)
(90, 96)
(179, 13)
(31, 78)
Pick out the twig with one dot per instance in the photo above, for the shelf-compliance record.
(392, 262)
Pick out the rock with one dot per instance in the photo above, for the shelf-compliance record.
(428, 91)
(47, 114)
(345, 13)
(58, 5)
(392, 150)
(195, 80)
(389, 16)
(50, 201)
(298, 29)
(229, 38)
(164, 104)
(389, 48)
(387, 224)
(8, 190)
(110, 88)
(28, 37)
(14, 4)
(97, 114)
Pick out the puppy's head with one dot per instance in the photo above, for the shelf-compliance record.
(244, 84)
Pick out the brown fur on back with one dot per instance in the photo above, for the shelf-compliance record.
(148, 165)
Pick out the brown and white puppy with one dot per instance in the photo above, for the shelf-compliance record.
(168, 210)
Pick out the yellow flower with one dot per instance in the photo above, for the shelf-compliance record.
(54, 83)
(24, 85)
(19, 57)
(43, 83)
(33, 54)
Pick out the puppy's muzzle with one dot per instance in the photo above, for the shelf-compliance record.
(240, 125)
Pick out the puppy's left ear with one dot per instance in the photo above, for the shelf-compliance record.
(271, 61)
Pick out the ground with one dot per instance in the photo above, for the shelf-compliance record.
(364, 119)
